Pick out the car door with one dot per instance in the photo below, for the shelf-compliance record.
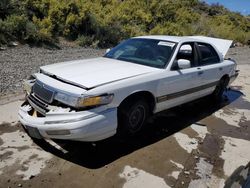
(211, 69)
(180, 85)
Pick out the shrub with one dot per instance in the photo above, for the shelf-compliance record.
(105, 23)
(85, 40)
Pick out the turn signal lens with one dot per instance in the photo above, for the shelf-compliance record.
(95, 100)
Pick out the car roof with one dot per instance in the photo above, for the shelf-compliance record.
(163, 37)
(222, 45)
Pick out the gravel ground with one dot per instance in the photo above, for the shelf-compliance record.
(18, 63)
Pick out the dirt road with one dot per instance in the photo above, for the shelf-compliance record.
(207, 146)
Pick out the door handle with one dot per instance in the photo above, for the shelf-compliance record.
(200, 72)
(220, 68)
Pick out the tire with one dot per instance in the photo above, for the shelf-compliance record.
(132, 116)
(220, 88)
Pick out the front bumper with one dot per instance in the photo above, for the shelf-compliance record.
(82, 126)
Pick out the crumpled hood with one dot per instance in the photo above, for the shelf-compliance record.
(90, 73)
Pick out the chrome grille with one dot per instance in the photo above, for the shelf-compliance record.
(43, 92)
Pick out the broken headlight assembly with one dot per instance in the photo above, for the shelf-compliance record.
(85, 101)
(27, 84)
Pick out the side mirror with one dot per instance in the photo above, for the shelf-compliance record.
(107, 50)
(183, 63)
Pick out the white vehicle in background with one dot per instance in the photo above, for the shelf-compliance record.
(93, 99)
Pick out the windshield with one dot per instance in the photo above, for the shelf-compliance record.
(149, 52)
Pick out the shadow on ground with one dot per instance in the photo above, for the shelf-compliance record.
(162, 125)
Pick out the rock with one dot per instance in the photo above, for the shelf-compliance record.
(186, 172)
(238, 44)
(13, 44)
(19, 185)
(32, 176)
(193, 142)
(2, 48)
(182, 183)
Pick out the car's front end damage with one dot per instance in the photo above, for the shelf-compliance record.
(65, 112)
(69, 100)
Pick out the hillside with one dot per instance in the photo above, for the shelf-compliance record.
(102, 23)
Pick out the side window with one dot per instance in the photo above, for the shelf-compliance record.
(208, 54)
(186, 52)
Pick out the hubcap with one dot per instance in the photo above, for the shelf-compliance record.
(137, 117)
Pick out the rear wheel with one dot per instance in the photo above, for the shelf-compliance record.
(220, 88)
(132, 115)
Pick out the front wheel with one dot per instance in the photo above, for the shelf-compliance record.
(132, 116)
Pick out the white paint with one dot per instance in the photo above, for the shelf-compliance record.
(176, 173)
(32, 158)
(8, 112)
(206, 179)
(136, 178)
(236, 153)
(178, 165)
(204, 169)
(234, 117)
(186, 142)
(217, 182)
(200, 130)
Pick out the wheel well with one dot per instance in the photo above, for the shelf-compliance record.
(225, 77)
(146, 95)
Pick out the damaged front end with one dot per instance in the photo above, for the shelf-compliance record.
(55, 112)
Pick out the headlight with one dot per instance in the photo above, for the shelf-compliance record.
(67, 99)
(85, 101)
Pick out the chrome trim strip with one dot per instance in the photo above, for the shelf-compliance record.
(184, 92)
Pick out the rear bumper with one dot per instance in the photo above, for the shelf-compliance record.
(82, 126)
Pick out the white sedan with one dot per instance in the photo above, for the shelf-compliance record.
(93, 99)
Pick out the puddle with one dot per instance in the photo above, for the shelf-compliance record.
(206, 178)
